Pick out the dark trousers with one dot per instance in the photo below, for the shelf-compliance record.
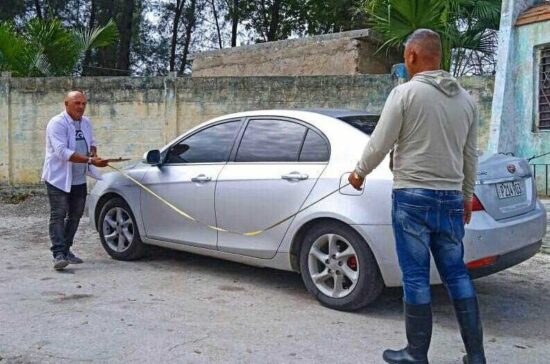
(66, 209)
(429, 220)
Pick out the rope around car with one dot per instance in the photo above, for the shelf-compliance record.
(189, 217)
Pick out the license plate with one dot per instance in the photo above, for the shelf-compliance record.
(509, 189)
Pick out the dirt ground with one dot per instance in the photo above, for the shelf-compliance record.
(184, 308)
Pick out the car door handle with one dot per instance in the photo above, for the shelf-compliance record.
(201, 178)
(295, 176)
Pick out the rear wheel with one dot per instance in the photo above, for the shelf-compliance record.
(338, 267)
(118, 231)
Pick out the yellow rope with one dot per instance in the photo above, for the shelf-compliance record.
(189, 217)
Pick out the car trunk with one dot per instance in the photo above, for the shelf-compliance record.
(505, 186)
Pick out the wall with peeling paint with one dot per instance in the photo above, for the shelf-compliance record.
(514, 119)
(530, 140)
(133, 115)
(514, 124)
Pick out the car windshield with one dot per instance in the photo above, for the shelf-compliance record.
(365, 123)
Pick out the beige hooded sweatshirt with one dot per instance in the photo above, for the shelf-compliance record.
(431, 121)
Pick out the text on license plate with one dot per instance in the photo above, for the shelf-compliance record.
(509, 189)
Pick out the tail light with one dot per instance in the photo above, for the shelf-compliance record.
(476, 204)
(480, 263)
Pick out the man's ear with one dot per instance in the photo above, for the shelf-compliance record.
(413, 57)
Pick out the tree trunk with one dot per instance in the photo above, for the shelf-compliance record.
(38, 9)
(215, 13)
(179, 9)
(190, 26)
(234, 23)
(106, 57)
(275, 20)
(125, 31)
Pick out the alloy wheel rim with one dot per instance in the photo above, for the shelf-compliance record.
(333, 265)
(118, 229)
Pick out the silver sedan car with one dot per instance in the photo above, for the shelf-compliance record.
(244, 172)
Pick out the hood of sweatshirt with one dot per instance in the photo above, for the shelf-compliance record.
(441, 80)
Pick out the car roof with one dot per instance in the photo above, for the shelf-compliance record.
(333, 113)
(339, 113)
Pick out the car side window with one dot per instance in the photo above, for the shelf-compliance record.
(209, 145)
(269, 140)
(315, 148)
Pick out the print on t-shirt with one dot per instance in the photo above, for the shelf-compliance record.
(79, 135)
(80, 169)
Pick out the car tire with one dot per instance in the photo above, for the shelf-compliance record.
(338, 267)
(118, 231)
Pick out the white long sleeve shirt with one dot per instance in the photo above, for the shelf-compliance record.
(60, 146)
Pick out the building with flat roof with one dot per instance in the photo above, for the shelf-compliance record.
(346, 53)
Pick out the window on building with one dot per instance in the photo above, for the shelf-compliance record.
(544, 89)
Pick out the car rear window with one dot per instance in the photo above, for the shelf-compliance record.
(365, 123)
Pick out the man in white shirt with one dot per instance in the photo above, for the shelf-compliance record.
(71, 154)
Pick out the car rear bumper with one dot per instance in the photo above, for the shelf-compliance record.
(507, 260)
(508, 241)
(486, 237)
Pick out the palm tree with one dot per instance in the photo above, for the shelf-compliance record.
(46, 48)
(467, 27)
(475, 39)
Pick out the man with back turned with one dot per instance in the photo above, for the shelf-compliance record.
(431, 122)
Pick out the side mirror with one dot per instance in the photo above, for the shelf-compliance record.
(152, 157)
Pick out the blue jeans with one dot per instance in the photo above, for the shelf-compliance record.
(430, 220)
(66, 209)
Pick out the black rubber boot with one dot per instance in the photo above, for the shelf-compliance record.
(418, 325)
(467, 314)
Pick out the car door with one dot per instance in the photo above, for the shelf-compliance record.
(187, 179)
(274, 168)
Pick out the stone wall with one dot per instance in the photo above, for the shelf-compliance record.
(133, 115)
(345, 53)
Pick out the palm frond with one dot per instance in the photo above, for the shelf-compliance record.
(12, 50)
(96, 37)
(462, 24)
(47, 48)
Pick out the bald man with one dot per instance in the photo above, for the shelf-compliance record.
(430, 122)
(71, 154)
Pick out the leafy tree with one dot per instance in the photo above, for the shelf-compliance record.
(10, 9)
(47, 48)
(116, 58)
(466, 27)
(330, 16)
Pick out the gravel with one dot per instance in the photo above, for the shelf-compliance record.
(178, 307)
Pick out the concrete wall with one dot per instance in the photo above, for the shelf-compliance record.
(530, 140)
(345, 53)
(133, 115)
(514, 116)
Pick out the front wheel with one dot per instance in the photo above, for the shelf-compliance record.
(338, 267)
(118, 231)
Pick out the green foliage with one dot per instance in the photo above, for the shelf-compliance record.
(47, 48)
(465, 26)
